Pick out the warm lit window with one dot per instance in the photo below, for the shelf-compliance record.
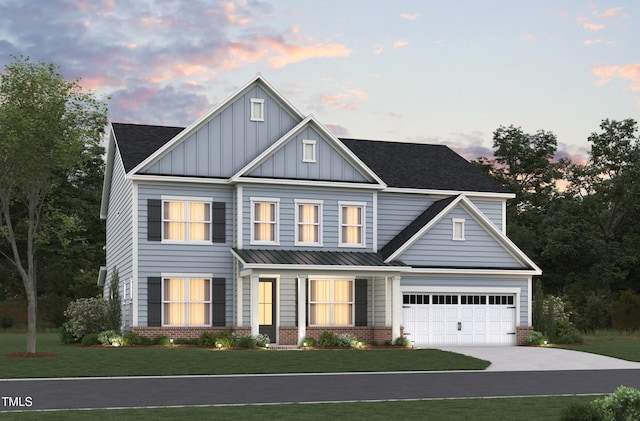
(264, 227)
(458, 229)
(186, 220)
(186, 302)
(308, 223)
(331, 302)
(352, 224)
(257, 109)
(308, 150)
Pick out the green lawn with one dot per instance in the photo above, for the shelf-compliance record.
(78, 361)
(625, 346)
(512, 409)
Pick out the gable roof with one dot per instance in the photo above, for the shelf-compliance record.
(434, 213)
(422, 166)
(415, 226)
(137, 141)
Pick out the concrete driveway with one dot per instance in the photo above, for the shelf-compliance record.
(526, 358)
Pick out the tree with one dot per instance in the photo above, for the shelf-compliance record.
(46, 124)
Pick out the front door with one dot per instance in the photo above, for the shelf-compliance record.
(267, 308)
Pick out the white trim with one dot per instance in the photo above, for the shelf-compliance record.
(175, 198)
(457, 222)
(374, 225)
(184, 275)
(165, 179)
(134, 252)
(239, 217)
(302, 310)
(108, 173)
(504, 217)
(314, 154)
(363, 239)
(275, 201)
(296, 224)
(256, 116)
(239, 300)
(305, 183)
(445, 193)
(184, 134)
(331, 301)
(187, 200)
(187, 278)
(396, 307)
(472, 271)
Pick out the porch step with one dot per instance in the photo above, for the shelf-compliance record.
(283, 347)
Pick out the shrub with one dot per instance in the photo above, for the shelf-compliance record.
(6, 322)
(623, 404)
(346, 340)
(566, 333)
(401, 341)
(262, 340)
(626, 312)
(225, 339)
(536, 338)
(161, 340)
(246, 342)
(86, 315)
(90, 339)
(108, 337)
(308, 341)
(114, 311)
(131, 339)
(580, 412)
(327, 338)
(66, 337)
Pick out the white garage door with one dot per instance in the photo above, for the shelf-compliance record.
(459, 319)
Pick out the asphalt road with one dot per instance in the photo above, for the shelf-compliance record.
(40, 394)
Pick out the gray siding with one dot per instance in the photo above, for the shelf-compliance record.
(288, 309)
(396, 211)
(379, 297)
(485, 282)
(228, 141)
(492, 209)
(330, 220)
(287, 162)
(154, 257)
(119, 253)
(479, 249)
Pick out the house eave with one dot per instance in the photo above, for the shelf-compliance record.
(474, 271)
(445, 193)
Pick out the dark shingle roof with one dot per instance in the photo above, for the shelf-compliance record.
(137, 142)
(415, 226)
(317, 258)
(422, 166)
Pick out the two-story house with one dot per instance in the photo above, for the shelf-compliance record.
(257, 219)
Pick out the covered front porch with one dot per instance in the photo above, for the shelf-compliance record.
(293, 295)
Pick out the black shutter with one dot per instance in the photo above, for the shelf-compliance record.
(218, 226)
(361, 302)
(154, 301)
(154, 220)
(297, 302)
(218, 302)
(306, 303)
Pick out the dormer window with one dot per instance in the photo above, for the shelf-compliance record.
(308, 150)
(458, 229)
(257, 109)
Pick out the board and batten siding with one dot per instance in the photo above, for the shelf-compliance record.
(330, 220)
(119, 240)
(477, 282)
(155, 258)
(229, 140)
(287, 162)
(478, 250)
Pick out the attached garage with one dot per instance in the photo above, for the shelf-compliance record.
(438, 319)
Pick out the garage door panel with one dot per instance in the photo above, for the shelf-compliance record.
(460, 320)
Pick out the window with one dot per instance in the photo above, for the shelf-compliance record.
(186, 302)
(264, 226)
(308, 150)
(458, 229)
(331, 302)
(308, 223)
(257, 109)
(351, 224)
(186, 220)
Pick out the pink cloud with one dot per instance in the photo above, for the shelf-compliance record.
(400, 44)
(630, 72)
(409, 16)
(233, 16)
(609, 13)
(592, 26)
(528, 38)
(293, 53)
(346, 100)
(378, 49)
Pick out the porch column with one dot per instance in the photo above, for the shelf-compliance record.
(396, 305)
(255, 326)
(239, 297)
(302, 313)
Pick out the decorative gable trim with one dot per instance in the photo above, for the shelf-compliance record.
(242, 175)
(196, 125)
(491, 229)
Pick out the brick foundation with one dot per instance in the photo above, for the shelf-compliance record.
(522, 332)
(186, 332)
(368, 334)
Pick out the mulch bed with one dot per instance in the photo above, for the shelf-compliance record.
(31, 355)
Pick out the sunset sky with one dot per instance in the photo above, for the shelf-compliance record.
(427, 71)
